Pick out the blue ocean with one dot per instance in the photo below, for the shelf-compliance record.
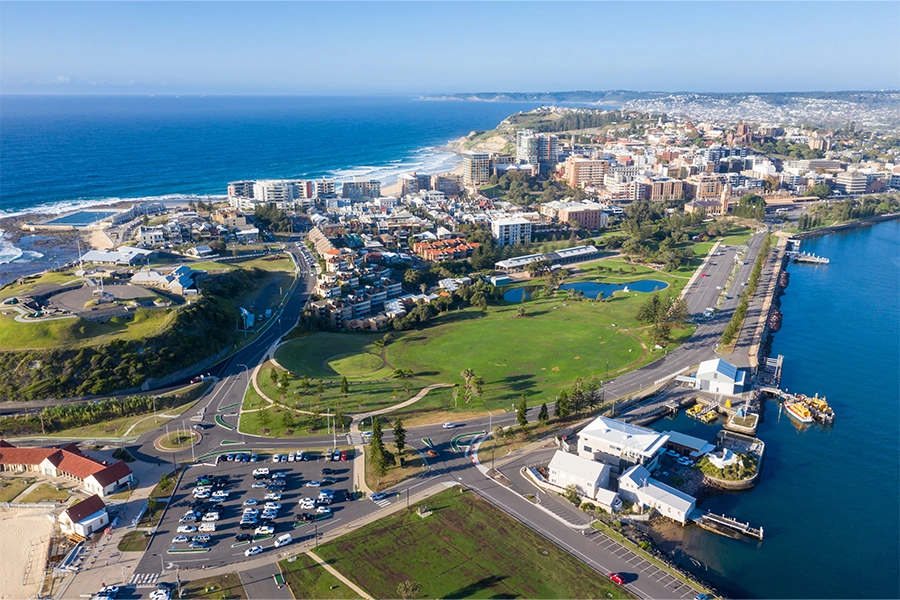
(828, 497)
(58, 152)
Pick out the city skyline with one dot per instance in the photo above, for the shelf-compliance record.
(432, 48)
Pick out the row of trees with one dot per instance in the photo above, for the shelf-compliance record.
(379, 456)
(737, 319)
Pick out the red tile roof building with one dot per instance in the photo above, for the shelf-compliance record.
(438, 250)
(67, 461)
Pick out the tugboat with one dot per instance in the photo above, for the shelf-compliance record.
(798, 411)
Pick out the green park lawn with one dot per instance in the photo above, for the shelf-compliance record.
(462, 550)
(30, 283)
(10, 487)
(539, 355)
(307, 579)
(738, 236)
(77, 332)
(45, 492)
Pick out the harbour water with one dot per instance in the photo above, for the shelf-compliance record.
(828, 497)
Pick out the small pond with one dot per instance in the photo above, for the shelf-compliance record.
(591, 289)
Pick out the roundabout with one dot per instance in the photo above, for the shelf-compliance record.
(177, 441)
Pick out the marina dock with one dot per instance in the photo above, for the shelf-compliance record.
(723, 525)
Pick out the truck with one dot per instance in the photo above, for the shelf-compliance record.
(268, 313)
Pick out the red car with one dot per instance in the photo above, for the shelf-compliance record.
(616, 578)
(703, 275)
(343, 456)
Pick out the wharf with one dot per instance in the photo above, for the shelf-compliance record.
(803, 257)
(723, 525)
(818, 407)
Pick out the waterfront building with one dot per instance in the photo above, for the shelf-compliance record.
(84, 518)
(511, 230)
(241, 189)
(720, 377)
(637, 486)
(588, 476)
(621, 445)
(559, 257)
(123, 255)
(852, 182)
(476, 168)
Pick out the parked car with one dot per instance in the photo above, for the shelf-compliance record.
(180, 539)
(186, 529)
(265, 530)
(276, 458)
(272, 505)
(291, 457)
(197, 545)
(323, 510)
(617, 578)
(251, 502)
(253, 551)
(272, 496)
(204, 538)
(313, 483)
(243, 537)
(328, 471)
(378, 496)
(307, 504)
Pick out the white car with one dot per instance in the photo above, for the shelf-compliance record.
(220, 494)
(251, 502)
(272, 496)
(272, 506)
(261, 471)
(180, 539)
(313, 483)
(307, 504)
(291, 457)
(186, 529)
(264, 530)
(161, 595)
(259, 484)
(253, 551)
(449, 425)
(275, 458)
(323, 510)
(210, 517)
(202, 538)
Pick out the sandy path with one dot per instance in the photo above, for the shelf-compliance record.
(24, 537)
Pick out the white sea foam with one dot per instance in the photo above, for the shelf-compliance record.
(425, 160)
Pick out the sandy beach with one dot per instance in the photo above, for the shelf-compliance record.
(24, 536)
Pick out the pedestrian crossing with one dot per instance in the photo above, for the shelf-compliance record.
(144, 580)
(383, 503)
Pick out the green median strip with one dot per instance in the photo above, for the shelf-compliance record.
(221, 422)
(230, 442)
(428, 442)
(464, 439)
(224, 408)
(186, 550)
(262, 538)
(244, 543)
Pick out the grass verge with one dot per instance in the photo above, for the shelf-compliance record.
(307, 579)
(134, 541)
(220, 587)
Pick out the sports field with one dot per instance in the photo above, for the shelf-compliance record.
(462, 550)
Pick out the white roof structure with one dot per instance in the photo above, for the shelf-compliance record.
(624, 436)
(583, 468)
(688, 441)
(122, 255)
(717, 365)
(662, 493)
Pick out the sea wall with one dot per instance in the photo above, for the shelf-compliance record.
(853, 225)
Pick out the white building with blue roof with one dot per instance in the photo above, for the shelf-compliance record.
(720, 377)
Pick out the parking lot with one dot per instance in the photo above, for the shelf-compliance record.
(236, 480)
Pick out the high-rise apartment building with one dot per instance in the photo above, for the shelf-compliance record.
(581, 171)
(356, 190)
(476, 168)
(537, 149)
(510, 231)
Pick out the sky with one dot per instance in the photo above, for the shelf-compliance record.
(346, 48)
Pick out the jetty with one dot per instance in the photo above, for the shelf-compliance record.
(803, 257)
(723, 525)
(818, 407)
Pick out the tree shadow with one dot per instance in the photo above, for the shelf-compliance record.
(473, 588)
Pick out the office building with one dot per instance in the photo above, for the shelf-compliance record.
(581, 171)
